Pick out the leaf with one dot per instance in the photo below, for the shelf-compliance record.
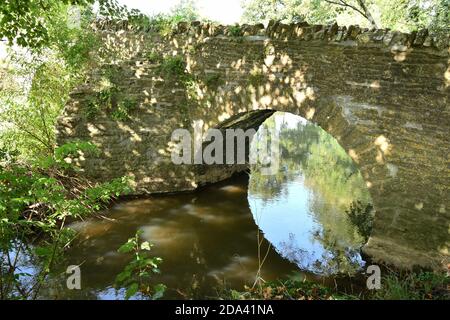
(131, 290)
(153, 262)
(159, 291)
(235, 295)
(123, 276)
(43, 251)
(127, 247)
(156, 270)
(146, 246)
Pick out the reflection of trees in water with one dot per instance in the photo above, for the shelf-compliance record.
(336, 258)
(290, 250)
(334, 181)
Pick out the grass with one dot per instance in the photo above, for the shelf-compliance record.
(288, 290)
(414, 286)
(395, 286)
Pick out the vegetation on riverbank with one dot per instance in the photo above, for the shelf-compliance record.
(37, 200)
(395, 286)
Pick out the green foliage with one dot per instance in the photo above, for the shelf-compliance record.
(395, 286)
(414, 286)
(64, 154)
(123, 109)
(288, 289)
(409, 15)
(184, 11)
(287, 11)
(73, 44)
(161, 24)
(235, 31)
(39, 189)
(108, 98)
(34, 23)
(37, 199)
(102, 100)
(402, 15)
(137, 273)
(191, 89)
(173, 66)
(31, 114)
(361, 216)
(37, 83)
(92, 108)
(26, 22)
(154, 57)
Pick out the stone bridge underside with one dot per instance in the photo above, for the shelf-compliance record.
(383, 95)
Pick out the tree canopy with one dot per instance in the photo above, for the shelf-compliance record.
(402, 15)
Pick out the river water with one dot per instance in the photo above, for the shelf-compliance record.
(208, 239)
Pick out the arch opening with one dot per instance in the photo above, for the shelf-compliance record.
(314, 183)
(313, 206)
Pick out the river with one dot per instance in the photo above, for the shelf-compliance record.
(208, 239)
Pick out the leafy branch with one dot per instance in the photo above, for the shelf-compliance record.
(364, 11)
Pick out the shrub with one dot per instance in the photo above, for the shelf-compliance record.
(138, 271)
(35, 201)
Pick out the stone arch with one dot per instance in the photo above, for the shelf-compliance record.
(362, 148)
(383, 95)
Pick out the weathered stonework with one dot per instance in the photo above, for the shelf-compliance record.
(383, 95)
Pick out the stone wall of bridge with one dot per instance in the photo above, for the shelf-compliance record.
(383, 95)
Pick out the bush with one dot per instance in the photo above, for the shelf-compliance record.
(36, 200)
(138, 271)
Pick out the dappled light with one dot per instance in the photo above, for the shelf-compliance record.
(301, 153)
(358, 85)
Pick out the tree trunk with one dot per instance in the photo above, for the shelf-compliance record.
(367, 13)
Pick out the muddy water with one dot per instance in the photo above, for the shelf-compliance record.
(208, 239)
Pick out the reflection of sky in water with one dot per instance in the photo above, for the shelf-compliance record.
(287, 218)
(289, 225)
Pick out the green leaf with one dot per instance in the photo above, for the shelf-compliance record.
(159, 291)
(127, 247)
(131, 290)
(235, 295)
(123, 276)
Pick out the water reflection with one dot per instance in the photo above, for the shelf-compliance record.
(208, 239)
(301, 208)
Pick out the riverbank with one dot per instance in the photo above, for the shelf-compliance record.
(395, 286)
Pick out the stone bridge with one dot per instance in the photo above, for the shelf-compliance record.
(383, 95)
